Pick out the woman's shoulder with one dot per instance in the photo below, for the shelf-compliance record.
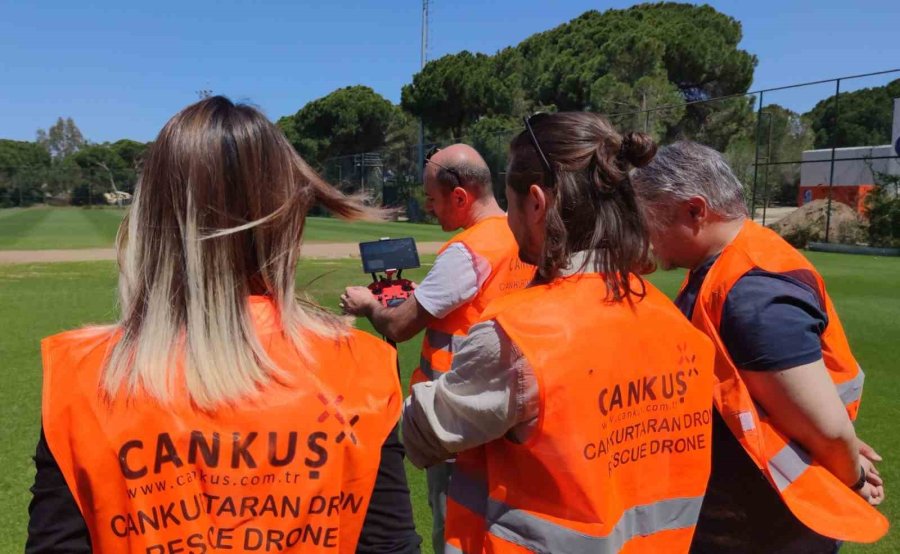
(83, 340)
(363, 361)
(346, 345)
(357, 339)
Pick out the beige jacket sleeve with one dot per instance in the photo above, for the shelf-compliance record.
(490, 392)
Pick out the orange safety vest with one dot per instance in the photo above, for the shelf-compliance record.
(813, 494)
(492, 240)
(291, 473)
(620, 456)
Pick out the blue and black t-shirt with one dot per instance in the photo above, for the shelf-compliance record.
(770, 322)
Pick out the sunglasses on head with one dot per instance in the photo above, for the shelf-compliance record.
(431, 152)
(545, 163)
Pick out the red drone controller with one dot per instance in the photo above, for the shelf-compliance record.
(391, 292)
(391, 257)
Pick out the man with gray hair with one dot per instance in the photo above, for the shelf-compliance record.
(788, 386)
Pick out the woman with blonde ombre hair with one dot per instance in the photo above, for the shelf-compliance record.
(220, 411)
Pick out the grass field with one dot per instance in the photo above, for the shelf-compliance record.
(67, 228)
(38, 300)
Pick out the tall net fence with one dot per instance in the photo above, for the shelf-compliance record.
(841, 151)
(837, 153)
(66, 184)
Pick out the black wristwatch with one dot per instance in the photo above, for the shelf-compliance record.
(862, 479)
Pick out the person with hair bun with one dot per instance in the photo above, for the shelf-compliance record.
(579, 408)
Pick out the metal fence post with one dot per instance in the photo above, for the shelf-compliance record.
(756, 156)
(834, 136)
(420, 158)
(766, 178)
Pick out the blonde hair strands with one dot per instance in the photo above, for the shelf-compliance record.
(218, 216)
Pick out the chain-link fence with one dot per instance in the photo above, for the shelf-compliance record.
(391, 177)
(785, 158)
(836, 152)
(66, 184)
(839, 151)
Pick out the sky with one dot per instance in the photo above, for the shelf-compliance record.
(120, 69)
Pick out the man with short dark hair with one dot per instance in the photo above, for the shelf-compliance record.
(474, 267)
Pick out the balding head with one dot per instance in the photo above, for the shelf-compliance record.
(461, 165)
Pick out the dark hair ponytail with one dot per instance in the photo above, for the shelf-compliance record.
(593, 204)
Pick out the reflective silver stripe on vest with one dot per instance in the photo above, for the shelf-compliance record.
(468, 491)
(851, 391)
(532, 532)
(747, 422)
(425, 366)
(450, 549)
(789, 464)
(440, 340)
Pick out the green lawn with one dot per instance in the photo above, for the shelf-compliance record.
(68, 228)
(41, 299)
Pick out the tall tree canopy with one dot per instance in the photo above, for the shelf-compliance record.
(62, 139)
(16, 155)
(693, 47)
(130, 151)
(347, 121)
(27, 171)
(453, 92)
(23, 166)
(613, 62)
(864, 117)
(110, 166)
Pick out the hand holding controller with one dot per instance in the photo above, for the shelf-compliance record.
(390, 256)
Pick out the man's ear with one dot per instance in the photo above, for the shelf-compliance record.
(459, 197)
(697, 210)
(536, 204)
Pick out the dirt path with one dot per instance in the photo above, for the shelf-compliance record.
(773, 214)
(329, 250)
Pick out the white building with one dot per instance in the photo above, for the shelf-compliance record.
(853, 177)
